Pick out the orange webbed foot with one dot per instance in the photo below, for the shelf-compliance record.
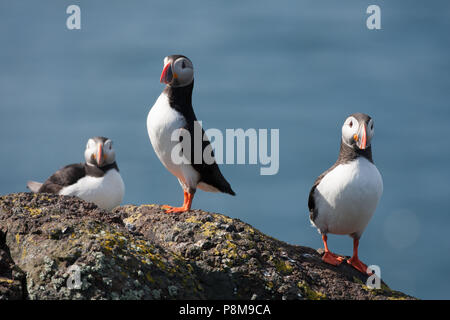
(185, 207)
(176, 209)
(358, 265)
(354, 260)
(332, 258)
(329, 257)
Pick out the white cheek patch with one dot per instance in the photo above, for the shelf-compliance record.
(110, 156)
(90, 144)
(347, 132)
(185, 76)
(88, 154)
(371, 131)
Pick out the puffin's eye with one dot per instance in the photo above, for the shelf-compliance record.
(371, 127)
(350, 124)
(183, 65)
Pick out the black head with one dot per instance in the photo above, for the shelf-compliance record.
(178, 71)
(357, 131)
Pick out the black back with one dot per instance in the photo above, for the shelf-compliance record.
(70, 174)
(180, 99)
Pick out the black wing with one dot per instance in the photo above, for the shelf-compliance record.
(63, 177)
(209, 172)
(313, 212)
(312, 201)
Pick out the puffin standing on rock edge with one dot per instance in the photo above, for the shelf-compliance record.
(344, 198)
(97, 180)
(173, 115)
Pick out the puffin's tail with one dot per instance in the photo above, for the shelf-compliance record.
(224, 186)
(227, 189)
(34, 186)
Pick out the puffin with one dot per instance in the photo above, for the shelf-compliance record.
(171, 120)
(343, 199)
(97, 180)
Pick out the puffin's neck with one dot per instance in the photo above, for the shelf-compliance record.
(180, 96)
(95, 171)
(347, 153)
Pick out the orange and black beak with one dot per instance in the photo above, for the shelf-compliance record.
(167, 74)
(100, 158)
(361, 137)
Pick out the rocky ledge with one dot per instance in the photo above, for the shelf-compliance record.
(55, 247)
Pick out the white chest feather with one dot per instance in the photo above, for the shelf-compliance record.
(347, 197)
(162, 122)
(106, 192)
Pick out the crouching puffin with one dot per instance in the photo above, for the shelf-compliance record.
(344, 198)
(169, 121)
(97, 180)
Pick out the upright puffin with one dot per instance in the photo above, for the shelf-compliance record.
(344, 198)
(172, 114)
(97, 180)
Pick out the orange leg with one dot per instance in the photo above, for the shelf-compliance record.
(188, 197)
(354, 261)
(184, 202)
(328, 256)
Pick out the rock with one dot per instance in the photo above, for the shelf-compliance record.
(11, 278)
(56, 247)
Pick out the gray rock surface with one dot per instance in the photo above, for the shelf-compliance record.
(56, 247)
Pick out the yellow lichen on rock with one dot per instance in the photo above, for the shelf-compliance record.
(6, 280)
(34, 211)
(132, 219)
(309, 293)
(283, 266)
